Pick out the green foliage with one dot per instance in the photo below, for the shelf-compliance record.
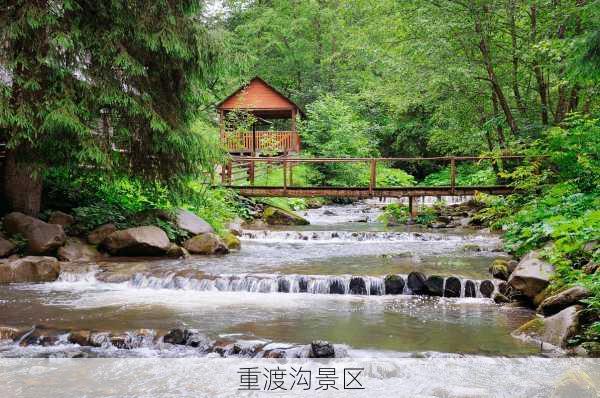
(466, 175)
(397, 213)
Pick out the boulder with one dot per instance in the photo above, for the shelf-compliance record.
(277, 216)
(6, 247)
(8, 333)
(321, 349)
(471, 247)
(175, 336)
(177, 251)
(357, 286)
(452, 287)
(499, 298)
(42, 238)
(99, 234)
(139, 241)
(470, 289)
(60, 218)
(235, 226)
(394, 284)
(590, 267)
(512, 265)
(30, 269)
(499, 269)
(435, 285)
(532, 275)
(191, 223)
(231, 241)
(80, 337)
(208, 243)
(486, 288)
(562, 300)
(75, 249)
(556, 330)
(416, 282)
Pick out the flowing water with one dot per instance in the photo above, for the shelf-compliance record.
(286, 287)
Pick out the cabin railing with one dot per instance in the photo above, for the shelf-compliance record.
(261, 141)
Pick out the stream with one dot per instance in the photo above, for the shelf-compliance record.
(286, 287)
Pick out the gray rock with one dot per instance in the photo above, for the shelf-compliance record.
(358, 286)
(75, 249)
(191, 223)
(321, 349)
(394, 284)
(139, 241)
(6, 247)
(435, 285)
(60, 218)
(532, 275)
(555, 330)
(42, 238)
(499, 298)
(591, 267)
(416, 282)
(562, 300)
(207, 243)
(277, 216)
(30, 269)
(99, 234)
(452, 287)
(486, 288)
(235, 226)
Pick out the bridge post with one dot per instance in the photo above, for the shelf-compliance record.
(284, 175)
(413, 207)
(452, 174)
(251, 172)
(373, 180)
(229, 171)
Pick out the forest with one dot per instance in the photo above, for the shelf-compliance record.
(375, 79)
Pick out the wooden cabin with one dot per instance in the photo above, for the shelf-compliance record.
(273, 127)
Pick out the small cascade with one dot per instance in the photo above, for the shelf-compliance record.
(316, 284)
(356, 236)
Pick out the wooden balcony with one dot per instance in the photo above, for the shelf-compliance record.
(261, 141)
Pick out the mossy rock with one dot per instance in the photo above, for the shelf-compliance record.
(499, 269)
(534, 326)
(232, 241)
(471, 247)
(276, 216)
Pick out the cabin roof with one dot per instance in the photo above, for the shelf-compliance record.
(260, 98)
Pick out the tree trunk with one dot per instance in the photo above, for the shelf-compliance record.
(22, 185)
(537, 70)
(499, 129)
(487, 61)
(515, 58)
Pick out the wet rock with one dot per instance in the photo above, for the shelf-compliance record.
(139, 241)
(42, 238)
(273, 354)
(435, 285)
(394, 284)
(277, 216)
(329, 213)
(499, 269)
(499, 298)
(358, 286)
(191, 223)
(303, 285)
(175, 336)
(505, 289)
(177, 251)
(321, 349)
(30, 269)
(562, 300)
(41, 336)
(556, 330)
(195, 339)
(75, 249)
(452, 287)
(208, 243)
(486, 288)
(532, 275)
(6, 247)
(235, 226)
(80, 337)
(99, 234)
(283, 285)
(336, 287)
(590, 267)
(470, 289)
(232, 241)
(60, 218)
(416, 282)
(512, 265)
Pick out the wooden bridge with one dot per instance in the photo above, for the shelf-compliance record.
(242, 175)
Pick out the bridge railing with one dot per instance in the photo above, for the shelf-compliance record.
(365, 173)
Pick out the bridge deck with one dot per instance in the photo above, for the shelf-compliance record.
(344, 192)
